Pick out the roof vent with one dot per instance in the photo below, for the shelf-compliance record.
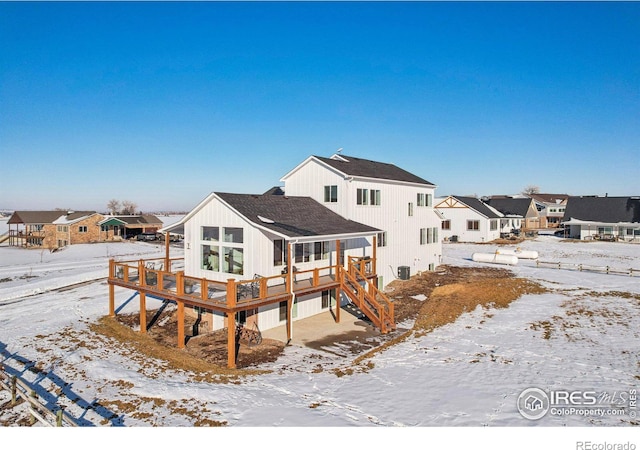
(265, 220)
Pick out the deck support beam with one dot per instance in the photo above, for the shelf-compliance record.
(181, 344)
(231, 340)
(143, 312)
(339, 280)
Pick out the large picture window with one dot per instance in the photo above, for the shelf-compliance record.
(211, 234)
(211, 257)
(235, 235)
(233, 261)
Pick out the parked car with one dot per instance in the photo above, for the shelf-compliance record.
(147, 237)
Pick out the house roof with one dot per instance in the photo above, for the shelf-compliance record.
(549, 198)
(276, 190)
(293, 217)
(604, 209)
(358, 167)
(510, 206)
(48, 217)
(134, 220)
(478, 205)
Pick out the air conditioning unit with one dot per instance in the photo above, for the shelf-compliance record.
(404, 272)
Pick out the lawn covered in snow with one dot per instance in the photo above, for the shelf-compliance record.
(582, 334)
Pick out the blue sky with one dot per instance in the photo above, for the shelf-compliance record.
(161, 103)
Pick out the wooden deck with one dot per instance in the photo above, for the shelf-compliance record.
(156, 278)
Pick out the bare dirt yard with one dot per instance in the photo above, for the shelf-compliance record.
(428, 300)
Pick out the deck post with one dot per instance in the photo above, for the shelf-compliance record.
(167, 261)
(374, 268)
(180, 324)
(143, 313)
(289, 319)
(112, 301)
(142, 275)
(180, 282)
(338, 293)
(231, 340)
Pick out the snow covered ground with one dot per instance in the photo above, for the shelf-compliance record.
(583, 335)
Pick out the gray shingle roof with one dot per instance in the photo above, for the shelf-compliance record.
(293, 216)
(358, 167)
(511, 206)
(144, 219)
(478, 205)
(603, 209)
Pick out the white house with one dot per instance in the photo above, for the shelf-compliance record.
(468, 219)
(610, 218)
(248, 237)
(381, 195)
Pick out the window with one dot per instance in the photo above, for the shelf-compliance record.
(331, 194)
(302, 252)
(82, 229)
(211, 257)
(211, 234)
(320, 250)
(410, 209)
(363, 197)
(282, 308)
(328, 298)
(375, 197)
(493, 225)
(62, 228)
(423, 236)
(473, 225)
(446, 224)
(234, 235)
(279, 252)
(424, 199)
(382, 239)
(233, 261)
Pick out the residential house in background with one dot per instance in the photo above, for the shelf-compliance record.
(53, 229)
(603, 218)
(115, 227)
(381, 195)
(550, 208)
(468, 219)
(518, 209)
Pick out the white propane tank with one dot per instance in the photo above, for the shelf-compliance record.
(496, 258)
(524, 254)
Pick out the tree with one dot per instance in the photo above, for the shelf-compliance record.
(113, 206)
(531, 189)
(128, 207)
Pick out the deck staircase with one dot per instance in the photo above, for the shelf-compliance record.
(368, 298)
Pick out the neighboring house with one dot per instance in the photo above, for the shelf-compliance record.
(128, 226)
(380, 195)
(550, 208)
(516, 209)
(606, 218)
(468, 219)
(53, 229)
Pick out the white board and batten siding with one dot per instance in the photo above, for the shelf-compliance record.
(403, 246)
(458, 214)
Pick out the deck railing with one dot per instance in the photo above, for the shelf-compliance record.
(151, 275)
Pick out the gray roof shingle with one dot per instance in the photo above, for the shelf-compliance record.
(603, 209)
(478, 205)
(293, 216)
(359, 167)
(46, 217)
(511, 206)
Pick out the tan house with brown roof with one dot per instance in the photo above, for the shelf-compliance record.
(53, 229)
